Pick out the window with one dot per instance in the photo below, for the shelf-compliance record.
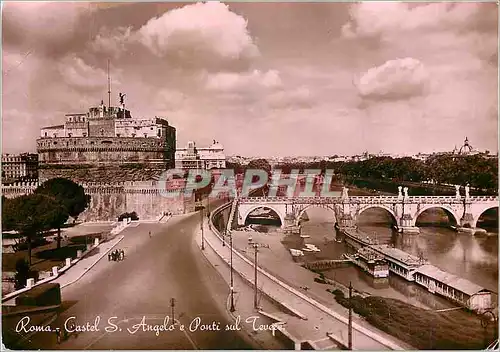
(45, 134)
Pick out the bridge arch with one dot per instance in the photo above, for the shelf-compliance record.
(448, 210)
(482, 211)
(324, 206)
(380, 206)
(266, 206)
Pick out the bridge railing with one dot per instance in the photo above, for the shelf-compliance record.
(368, 199)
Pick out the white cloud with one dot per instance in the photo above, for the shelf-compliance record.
(112, 42)
(395, 79)
(385, 19)
(243, 82)
(200, 35)
(79, 75)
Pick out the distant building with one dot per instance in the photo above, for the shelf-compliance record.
(16, 167)
(207, 158)
(108, 135)
(465, 150)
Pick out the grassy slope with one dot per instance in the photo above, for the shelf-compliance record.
(421, 328)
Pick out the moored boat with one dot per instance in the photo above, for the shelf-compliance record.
(371, 262)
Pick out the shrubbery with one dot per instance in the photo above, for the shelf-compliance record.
(23, 273)
(132, 216)
(36, 242)
(84, 239)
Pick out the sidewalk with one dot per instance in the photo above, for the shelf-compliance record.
(243, 300)
(320, 319)
(85, 264)
(77, 270)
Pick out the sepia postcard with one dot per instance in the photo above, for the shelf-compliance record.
(249, 175)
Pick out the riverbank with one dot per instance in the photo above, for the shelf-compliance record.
(424, 329)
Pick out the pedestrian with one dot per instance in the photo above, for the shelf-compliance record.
(110, 254)
(122, 254)
(58, 335)
(149, 234)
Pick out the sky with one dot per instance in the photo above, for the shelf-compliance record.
(263, 79)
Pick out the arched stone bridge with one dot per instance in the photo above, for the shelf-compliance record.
(405, 210)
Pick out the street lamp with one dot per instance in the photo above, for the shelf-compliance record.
(349, 331)
(256, 249)
(232, 309)
(202, 234)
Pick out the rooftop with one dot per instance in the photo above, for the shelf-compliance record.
(53, 127)
(451, 280)
(398, 254)
(370, 254)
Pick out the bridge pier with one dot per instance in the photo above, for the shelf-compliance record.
(346, 221)
(406, 225)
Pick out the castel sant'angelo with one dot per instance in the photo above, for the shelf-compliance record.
(118, 159)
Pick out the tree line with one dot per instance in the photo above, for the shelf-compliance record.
(476, 170)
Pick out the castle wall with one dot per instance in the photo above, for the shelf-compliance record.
(102, 127)
(108, 201)
(107, 206)
(109, 173)
(71, 150)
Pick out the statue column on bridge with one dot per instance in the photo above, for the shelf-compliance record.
(345, 194)
(399, 192)
(467, 191)
(457, 191)
(405, 190)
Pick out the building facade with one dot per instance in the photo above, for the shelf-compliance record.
(108, 135)
(207, 158)
(17, 167)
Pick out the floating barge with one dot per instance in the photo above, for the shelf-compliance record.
(411, 268)
(371, 262)
(454, 288)
(357, 239)
(400, 262)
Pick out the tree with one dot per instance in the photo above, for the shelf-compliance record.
(22, 273)
(259, 164)
(69, 194)
(31, 214)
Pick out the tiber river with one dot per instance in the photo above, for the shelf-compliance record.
(472, 257)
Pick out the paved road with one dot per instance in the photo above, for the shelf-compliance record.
(135, 294)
